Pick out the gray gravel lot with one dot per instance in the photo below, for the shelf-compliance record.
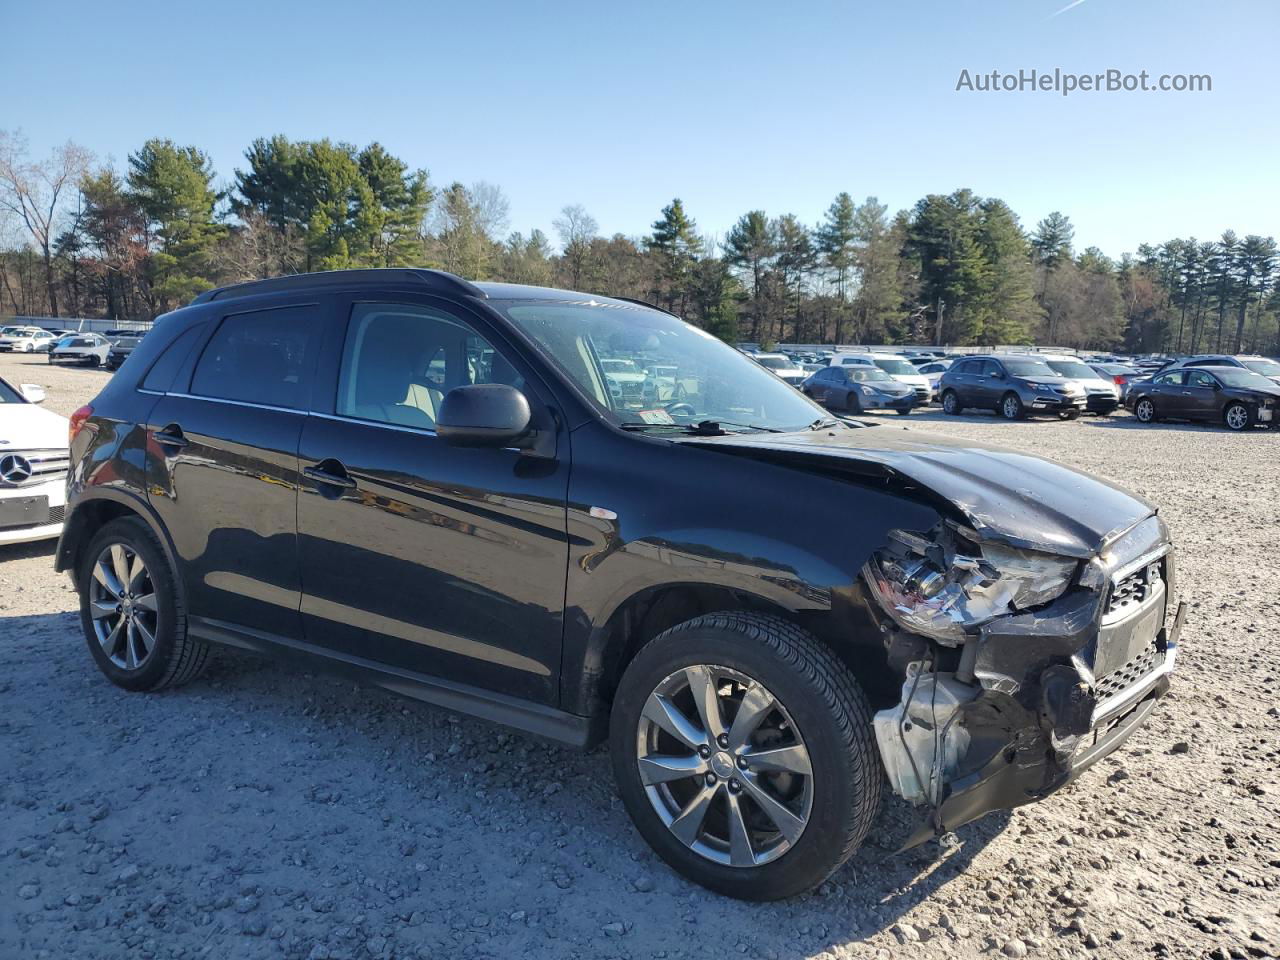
(272, 811)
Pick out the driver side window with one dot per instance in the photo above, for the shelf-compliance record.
(399, 361)
(1198, 378)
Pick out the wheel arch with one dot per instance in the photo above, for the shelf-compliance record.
(91, 514)
(844, 627)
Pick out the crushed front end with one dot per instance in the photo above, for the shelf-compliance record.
(1021, 667)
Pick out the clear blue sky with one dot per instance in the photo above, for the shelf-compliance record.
(730, 106)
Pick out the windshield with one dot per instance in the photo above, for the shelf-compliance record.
(1268, 368)
(1236, 377)
(868, 373)
(691, 376)
(10, 395)
(895, 366)
(1074, 369)
(1030, 368)
(1117, 369)
(10, 331)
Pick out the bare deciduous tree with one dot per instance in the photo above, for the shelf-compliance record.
(35, 194)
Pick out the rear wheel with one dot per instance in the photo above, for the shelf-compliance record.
(950, 403)
(1145, 410)
(132, 614)
(1238, 417)
(1011, 407)
(744, 753)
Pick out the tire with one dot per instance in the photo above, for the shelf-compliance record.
(1069, 414)
(1011, 407)
(951, 403)
(172, 657)
(851, 403)
(1145, 410)
(905, 412)
(816, 704)
(1237, 417)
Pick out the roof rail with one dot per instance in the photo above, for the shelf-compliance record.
(433, 280)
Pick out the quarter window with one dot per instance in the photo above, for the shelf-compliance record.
(265, 357)
(399, 361)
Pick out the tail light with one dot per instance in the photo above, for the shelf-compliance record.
(1120, 381)
(77, 422)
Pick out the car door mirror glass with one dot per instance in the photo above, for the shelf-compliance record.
(484, 415)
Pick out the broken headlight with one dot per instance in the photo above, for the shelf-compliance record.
(946, 583)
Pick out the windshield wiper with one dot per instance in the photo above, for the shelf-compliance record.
(822, 423)
(703, 428)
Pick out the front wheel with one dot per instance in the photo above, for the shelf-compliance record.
(904, 412)
(1069, 415)
(851, 403)
(744, 753)
(1011, 407)
(950, 403)
(131, 610)
(1145, 411)
(1238, 416)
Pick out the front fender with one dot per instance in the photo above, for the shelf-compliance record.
(644, 515)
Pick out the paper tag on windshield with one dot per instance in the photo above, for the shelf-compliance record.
(655, 416)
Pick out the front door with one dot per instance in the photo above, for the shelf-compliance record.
(415, 554)
(1200, 396)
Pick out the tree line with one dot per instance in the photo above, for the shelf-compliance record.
(80, 238)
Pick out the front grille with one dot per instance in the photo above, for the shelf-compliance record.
(922, 393)
(1130, 673)
(1134, 590)
(44, 465)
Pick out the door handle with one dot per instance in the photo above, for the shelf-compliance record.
(330, 477)
(170, 435)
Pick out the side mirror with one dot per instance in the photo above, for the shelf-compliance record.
(484, 415)
(32, 392)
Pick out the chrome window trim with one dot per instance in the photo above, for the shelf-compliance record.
(420, 431)
(237, 403)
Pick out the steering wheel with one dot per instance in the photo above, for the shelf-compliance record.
(681, 409)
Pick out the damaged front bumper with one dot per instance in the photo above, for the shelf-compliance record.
(1034, 699)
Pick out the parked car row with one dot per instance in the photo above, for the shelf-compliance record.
(33, 465)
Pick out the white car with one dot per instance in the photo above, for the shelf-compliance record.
(87, 348)
(900, 368)
(782, 367)
(25, 340)
(33, 466)
(933, 371)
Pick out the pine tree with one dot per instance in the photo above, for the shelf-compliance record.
(173, 188)
(752, 245)
(837, 240)
(675, 243)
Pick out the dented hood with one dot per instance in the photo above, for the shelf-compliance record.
(1005, 495)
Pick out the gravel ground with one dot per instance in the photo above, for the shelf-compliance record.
(269, 811)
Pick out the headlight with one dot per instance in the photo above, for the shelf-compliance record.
(1041, 387)
(866, 390)
(946, 584)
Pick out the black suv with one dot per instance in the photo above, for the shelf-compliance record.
(435, 484)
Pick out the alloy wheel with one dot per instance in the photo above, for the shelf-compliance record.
(1237, 417)
(724, 766)
(1145, 411)
(1011, 408)
(122, 606)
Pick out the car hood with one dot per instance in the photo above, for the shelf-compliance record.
(1253, 393)
(24, 426)
(1005, 495)
(894, 388)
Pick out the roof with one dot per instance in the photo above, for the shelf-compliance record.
(432, 281)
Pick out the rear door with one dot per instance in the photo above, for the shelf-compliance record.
(1166, 393)
(222, 469)
(419, 555)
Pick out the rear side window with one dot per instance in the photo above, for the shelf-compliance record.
(1174, 376)
(162, 373)
(265, 357)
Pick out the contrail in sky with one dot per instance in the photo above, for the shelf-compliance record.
(1073, 3)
